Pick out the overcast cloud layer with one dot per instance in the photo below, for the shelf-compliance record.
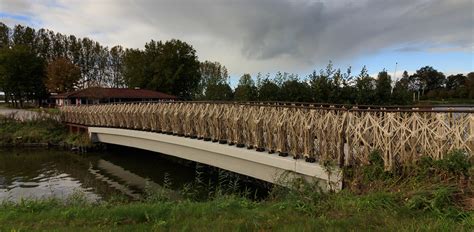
(261, 36)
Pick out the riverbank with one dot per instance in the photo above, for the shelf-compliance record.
(434, 196)
(41, 131)
(344, 211)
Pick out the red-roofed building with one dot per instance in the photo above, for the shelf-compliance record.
(97, 95)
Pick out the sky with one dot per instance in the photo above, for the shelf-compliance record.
(266, 36)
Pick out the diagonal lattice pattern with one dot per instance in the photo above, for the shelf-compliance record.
(336, 135)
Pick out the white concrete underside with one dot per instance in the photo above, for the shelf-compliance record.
(260, 165)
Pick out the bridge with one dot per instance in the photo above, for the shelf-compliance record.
(307, 140)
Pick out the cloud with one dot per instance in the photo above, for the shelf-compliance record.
(17, 6)
(264, 35)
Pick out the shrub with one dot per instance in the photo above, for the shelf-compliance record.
(455, 164)
(375, 170)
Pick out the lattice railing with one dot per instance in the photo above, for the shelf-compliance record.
(338, 135)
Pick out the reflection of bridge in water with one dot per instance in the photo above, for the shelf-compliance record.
(317, 134)
(126, 179)
(53, 173)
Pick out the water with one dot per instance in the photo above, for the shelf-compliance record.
(43, 173)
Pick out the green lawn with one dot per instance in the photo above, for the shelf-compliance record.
(334, 212)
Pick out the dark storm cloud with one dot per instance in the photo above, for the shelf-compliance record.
(265, 31)
(308, 29)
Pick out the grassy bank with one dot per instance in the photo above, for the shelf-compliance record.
(37, 131)
(434, 196)
(343, 211)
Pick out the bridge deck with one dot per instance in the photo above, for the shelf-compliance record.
(260, 165)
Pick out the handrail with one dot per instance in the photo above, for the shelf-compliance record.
(326, 106)
(341, 135)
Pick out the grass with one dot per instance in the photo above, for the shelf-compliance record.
(46, 110)
(40, 130)
(428, 197)
(36, 131)
(341, 211)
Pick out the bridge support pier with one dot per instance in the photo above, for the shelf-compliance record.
(77, 129)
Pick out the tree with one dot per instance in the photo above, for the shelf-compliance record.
(134, 68)
(453, 82)
(101, 71)
(59, 45)
(470, 85)
(365, 88)
(337, 86)
(99, 66)
(4, 36)
(401, 94)
(383, 87)
(43, 44)
(74, 50)
(455, 85)
(246, 89)
(348, 92)
(86, 63)
(212, 74)
(62, 75)
(24, 36)
(176, 70)
(268, 90)
(116, 66)
(429, 79)
(322, 85)
(218, 92)
(21, 74)
(171, 67)
(295, 90)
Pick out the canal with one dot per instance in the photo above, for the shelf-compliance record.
(117, 172)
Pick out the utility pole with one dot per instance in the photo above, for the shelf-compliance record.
(395, 73)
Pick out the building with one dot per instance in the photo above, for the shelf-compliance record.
(97, 95)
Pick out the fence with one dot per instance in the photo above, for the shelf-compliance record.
(339, 135)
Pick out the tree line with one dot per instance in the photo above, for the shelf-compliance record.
(331, 85)
(35, 63)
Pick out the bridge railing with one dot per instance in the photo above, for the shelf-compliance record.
(323, 133)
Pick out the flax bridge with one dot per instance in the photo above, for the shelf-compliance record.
(309, 140)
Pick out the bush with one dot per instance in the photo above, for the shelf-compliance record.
(376, 169)
(41, 130)
(455, 164)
